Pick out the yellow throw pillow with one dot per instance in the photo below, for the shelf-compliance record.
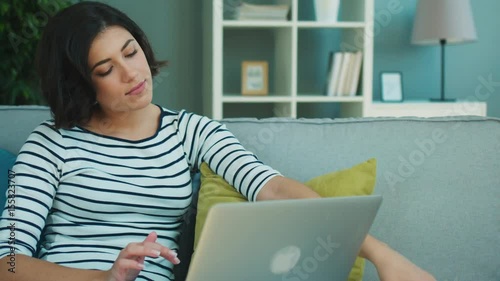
(358, 180)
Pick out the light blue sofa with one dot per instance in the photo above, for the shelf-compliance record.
(439, 177)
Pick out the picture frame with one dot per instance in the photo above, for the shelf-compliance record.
(391, 83)
(254, 77)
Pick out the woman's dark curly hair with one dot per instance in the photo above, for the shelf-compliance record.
(62, 58)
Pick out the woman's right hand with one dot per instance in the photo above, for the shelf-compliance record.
(130, 261)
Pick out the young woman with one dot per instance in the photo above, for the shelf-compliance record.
(101, 190)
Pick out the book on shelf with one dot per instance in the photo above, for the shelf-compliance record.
(344, 73)
(344, 70)
(333, 74)
(247, 11)
(329, 71)
(355, 73)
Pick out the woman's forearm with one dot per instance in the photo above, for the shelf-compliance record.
(285, 188)
(26, 268)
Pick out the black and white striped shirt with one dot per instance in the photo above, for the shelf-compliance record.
(82, 197)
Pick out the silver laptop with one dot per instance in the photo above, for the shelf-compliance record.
(306, 239)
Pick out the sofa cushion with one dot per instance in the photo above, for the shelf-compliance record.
(358, 180)
(7, 160)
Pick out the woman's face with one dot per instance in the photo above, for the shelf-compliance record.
(120, 72)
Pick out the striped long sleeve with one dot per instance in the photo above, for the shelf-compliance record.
(81, 197)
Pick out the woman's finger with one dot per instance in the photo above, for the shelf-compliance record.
(170, 255)
(162, 250)
(148, 248)
(151, 237)
(138, 250)
(123, 265)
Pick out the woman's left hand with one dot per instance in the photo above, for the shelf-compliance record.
(130, 261)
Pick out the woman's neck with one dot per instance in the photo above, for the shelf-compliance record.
(131, 125)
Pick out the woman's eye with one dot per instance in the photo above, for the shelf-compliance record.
(131, 54)
(105, 73)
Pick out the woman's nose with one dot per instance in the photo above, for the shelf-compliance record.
(128, 73)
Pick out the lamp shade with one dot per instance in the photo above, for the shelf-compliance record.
(450, 20)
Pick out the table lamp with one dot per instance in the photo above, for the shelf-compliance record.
(443, 22)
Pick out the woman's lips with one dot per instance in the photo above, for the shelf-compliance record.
(137, 89)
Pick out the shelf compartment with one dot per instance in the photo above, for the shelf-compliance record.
(349, 10)
(329, 109)
(313, 49)
(318, 110)
(258, 44)
(229, 7)
(257, 109)
(313, 57)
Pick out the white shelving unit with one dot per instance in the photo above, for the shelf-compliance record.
(294, 91)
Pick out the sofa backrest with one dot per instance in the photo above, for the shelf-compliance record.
(439, 178)
(17, 122)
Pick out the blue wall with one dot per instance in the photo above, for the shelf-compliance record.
(174, 28)
(466, 64)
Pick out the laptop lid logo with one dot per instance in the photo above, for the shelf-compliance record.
(285, 259)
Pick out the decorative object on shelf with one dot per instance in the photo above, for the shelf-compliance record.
(392, 86)
(254, 77)
(327, 10)
(443, 22)
(247, 11)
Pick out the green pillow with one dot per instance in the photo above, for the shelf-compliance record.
(358, 180)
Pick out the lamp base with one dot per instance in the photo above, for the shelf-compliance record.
(444, 100)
